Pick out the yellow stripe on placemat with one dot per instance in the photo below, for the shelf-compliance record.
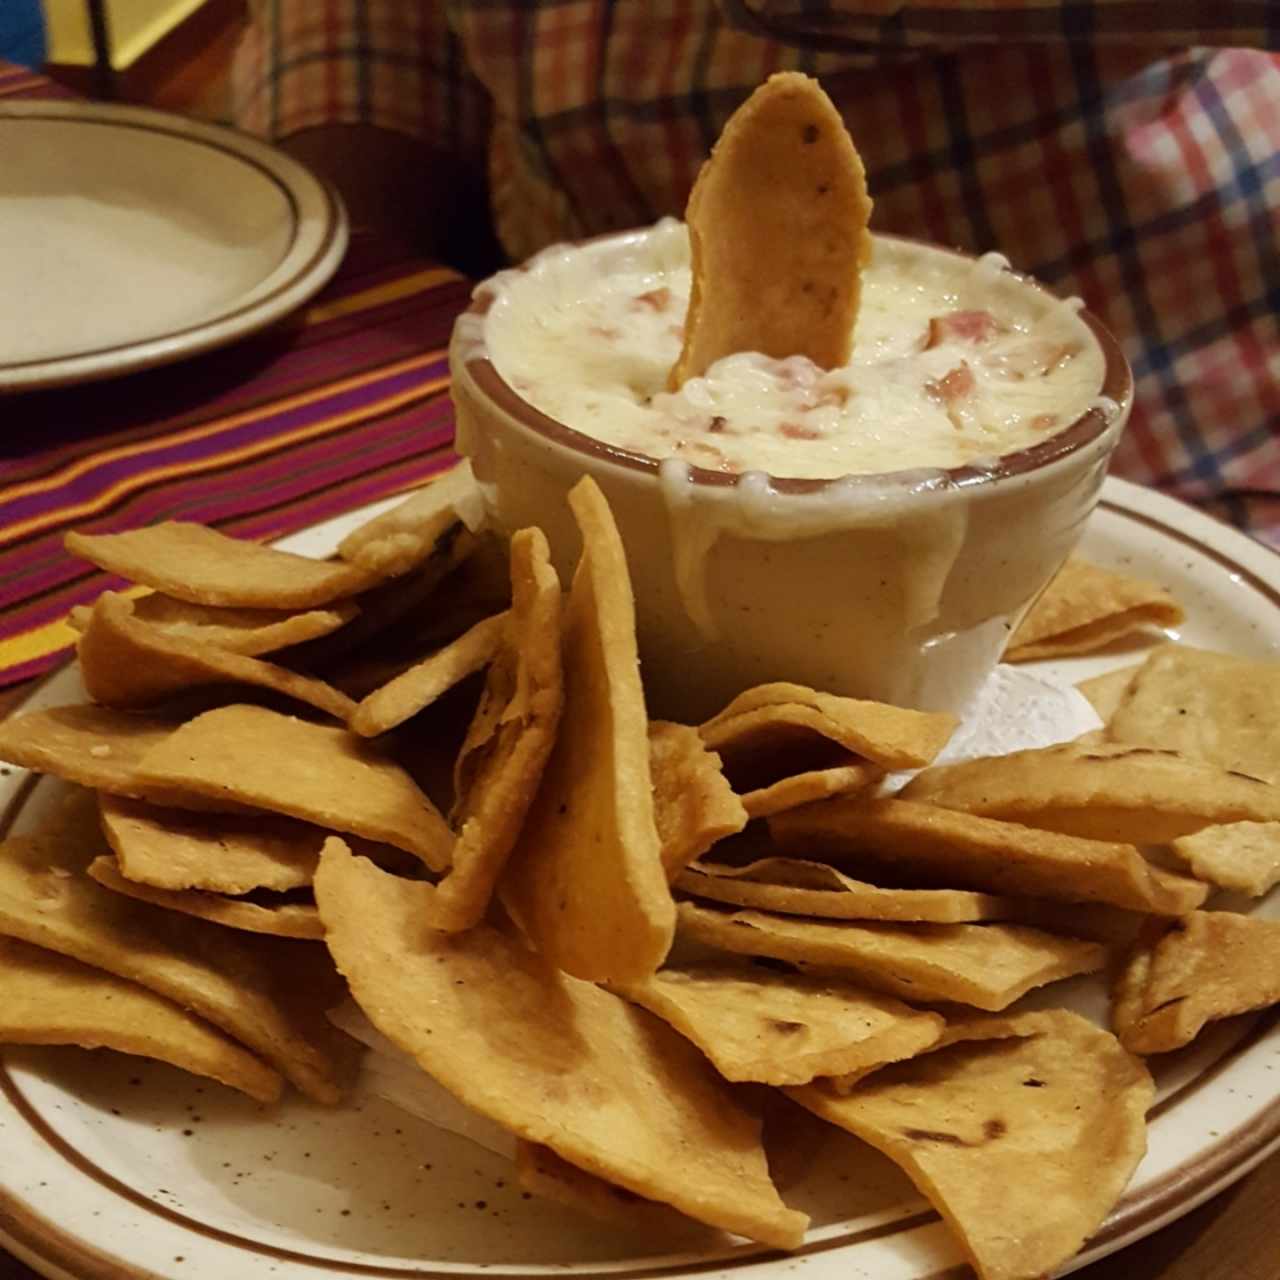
(393, 291)
(44, 640)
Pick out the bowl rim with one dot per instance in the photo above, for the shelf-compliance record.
(1117, 386)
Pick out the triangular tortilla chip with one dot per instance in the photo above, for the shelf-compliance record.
(809, 788)
(1023, 1144)
(945, 848)
(1243, 856)
(317, 773)
(46, 998)
(128, 663)
(783, 1029)
(48, 900)
(1086, 607)
(586, 881)
(1104, 791)
(778, 233)
(557, 1061)
(1184, 973)
(693, 804)
(799, 888)
(284, 920)
(1106, 692)
(985, 965)
(193, 562)
(509, 740)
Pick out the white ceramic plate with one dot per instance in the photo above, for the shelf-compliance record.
(111, 1167)
(133, 238)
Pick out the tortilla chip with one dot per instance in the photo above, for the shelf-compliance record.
(586, 881)
(1209, 705)
(777, 232)
(1023, 1144)
(46, 998)
(985, 965)
(510, 738)
(783, 1028)
(416, 689)
(126, 663)
(172, 849)
(1086, 607)
(559, 1062)
(279, 920)
(317, 773)
(809, 788)
(1106, 692)
(1184, 973)
(543, 1173)
(693, 804)
(797, 888)
(48, 900)
(401, 539)
(195, 563)
(946, 848)
(1141, 795)
(1242, 856)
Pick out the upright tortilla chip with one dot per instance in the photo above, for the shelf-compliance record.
(48, 900)
(1242, 856)
(778, 233)
(1086, 607)
(985, 965)
(509, 740)
(1107, 691)
(945, 848)
(317, 773)
(559, 1062)
(693, 803)
(1185, 973)
(1214, 706)
(1023, 1144)
(128, 663)
(586, 881)
(1103, 791)
(783, 1029)
(195, 563)
(46, 998)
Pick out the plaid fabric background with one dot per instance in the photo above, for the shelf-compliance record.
(1128, 152)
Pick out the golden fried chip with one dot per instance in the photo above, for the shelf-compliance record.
(949, 849)
(783, 1028)
(1184, 973)
(1106, 692)
(777, 232)
(509, 740)
(797, 888)
(128, 663)
(173, 849)
(1209, 705)
(195, 563)
(48, 900)
(985, 965)
(586, 881)
(560, 1062)
(46, 998)
(693, 803)
(399, 540)
(1102, 791)
(280, 920)
(1023, 1144)
(317, 773)
(1086, 607)
(416, 689)
(1243, 856)
(809, 788)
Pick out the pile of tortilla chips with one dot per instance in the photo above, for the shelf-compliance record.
(623, 940)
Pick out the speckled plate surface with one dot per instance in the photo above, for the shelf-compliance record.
(116, 1168)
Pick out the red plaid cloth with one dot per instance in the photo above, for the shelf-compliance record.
(1127, 152)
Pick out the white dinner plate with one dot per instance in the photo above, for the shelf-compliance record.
(113, 1167)
(130, 238)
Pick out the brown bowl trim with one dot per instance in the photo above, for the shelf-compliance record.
(1117, 385)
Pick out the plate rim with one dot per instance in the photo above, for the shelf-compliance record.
(53, 1249)
(318, 240)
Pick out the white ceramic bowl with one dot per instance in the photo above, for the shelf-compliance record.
(901, 587)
